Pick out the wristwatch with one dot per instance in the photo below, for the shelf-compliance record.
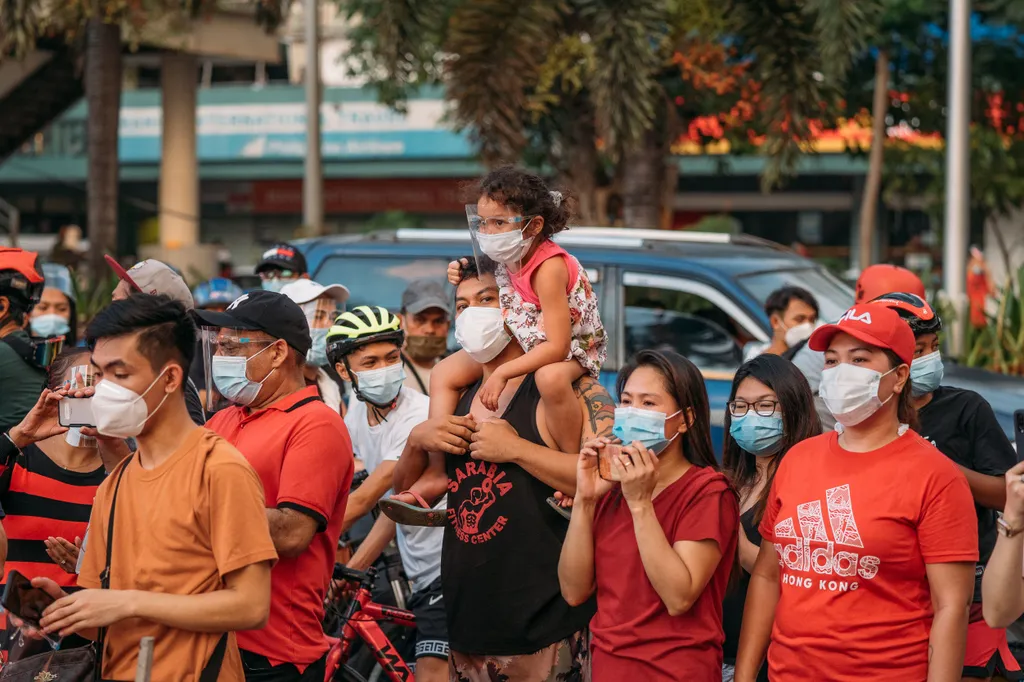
(8, 448)
(1005, 528)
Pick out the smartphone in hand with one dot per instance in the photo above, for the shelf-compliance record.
(604, 461)
(75, 412)
(23, 600)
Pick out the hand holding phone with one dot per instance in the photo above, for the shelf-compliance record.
(604, 461)
(75, 412)
(23, 600)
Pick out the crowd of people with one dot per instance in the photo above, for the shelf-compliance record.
(852, 530)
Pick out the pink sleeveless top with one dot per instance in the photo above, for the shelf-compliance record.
(522, 280)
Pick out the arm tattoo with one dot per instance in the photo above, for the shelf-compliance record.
(599, 406)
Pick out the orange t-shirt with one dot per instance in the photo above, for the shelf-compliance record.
(178, 529)
(853, 532)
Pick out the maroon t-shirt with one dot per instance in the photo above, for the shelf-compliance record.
(634, 637)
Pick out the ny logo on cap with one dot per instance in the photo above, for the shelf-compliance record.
(238, 301)
(852, 315)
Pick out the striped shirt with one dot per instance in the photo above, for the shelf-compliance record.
(44, 500)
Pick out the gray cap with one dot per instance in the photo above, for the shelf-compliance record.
(424, 294)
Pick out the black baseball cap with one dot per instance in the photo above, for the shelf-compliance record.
(264, 311)
(282, 256)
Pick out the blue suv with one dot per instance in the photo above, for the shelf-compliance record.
(701, 294)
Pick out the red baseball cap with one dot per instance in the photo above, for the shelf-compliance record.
(873, 323)
(878, 280)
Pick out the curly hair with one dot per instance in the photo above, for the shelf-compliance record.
(528, 194)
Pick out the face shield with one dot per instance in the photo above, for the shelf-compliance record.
(320, 314)
(499, 239)
(227, 376)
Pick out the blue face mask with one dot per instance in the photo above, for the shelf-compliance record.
(926, 374)
(758, 435)
(380, 387)
(49, 326)
(275, 284)
(646, 426)
(317, 355)
(230, 380)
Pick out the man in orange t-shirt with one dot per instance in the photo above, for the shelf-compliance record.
(302, 452)
(189, 546)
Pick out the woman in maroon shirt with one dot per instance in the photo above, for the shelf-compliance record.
(657, 548)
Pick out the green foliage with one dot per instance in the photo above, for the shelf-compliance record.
(23, 22)
(92, 297)
(999, 346)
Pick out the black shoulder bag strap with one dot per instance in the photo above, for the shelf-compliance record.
(105, 575)
(211, 671)
(419, 380)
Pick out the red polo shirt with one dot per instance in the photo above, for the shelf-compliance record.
(302, 452)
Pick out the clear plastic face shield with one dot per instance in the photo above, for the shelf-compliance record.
(232, 343)
(499, 236)
(79, 376)
(320, 315)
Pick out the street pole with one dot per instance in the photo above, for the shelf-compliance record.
(313, 182)
(958, 167)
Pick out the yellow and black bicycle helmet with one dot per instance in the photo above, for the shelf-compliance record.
(361, 326)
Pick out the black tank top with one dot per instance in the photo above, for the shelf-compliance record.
(499, 563)
(732, 607)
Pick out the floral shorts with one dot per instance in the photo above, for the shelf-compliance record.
(565, 661)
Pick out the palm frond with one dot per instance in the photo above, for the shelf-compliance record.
(780, 39)
(497, 49)
(396, 44)
(631, 39)
(844, 30)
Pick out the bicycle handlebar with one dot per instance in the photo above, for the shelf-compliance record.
(345, 573)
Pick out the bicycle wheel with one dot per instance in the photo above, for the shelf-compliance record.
(347, 674)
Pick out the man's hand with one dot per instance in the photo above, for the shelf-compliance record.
(86, 610)
(112, 450)
(64, 553)
(495, 441)
(41, 421)
(449, 434)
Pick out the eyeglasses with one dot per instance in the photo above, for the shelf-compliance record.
(496, 224)
(765, 408)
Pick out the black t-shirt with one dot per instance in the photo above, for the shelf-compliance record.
(963, 427)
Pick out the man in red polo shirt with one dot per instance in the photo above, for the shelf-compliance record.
(303, 455)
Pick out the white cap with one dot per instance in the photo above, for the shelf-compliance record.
(306, 290)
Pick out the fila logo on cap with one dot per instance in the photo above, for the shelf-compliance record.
(238, 301)
(852, 315)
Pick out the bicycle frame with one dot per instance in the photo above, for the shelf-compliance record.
(361, 623)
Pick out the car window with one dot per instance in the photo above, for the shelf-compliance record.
(380, 281)
(834, 298)
(670, 313)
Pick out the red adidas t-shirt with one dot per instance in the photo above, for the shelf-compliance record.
(634, 637)
(853, 532)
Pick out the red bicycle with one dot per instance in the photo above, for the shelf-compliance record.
(360, 622)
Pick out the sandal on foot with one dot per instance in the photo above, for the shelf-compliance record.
(419, 514)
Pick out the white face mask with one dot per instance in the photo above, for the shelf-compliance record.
(481, 333)
(799, 333)
(507, 248)
(121, 412)
(851, 392)
(380, 386)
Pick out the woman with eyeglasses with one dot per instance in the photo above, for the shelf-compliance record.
(869, 536)
(771, 409)
(657, 545)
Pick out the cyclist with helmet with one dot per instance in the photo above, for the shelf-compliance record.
(365, 346)
(22, 376)
(963, 427)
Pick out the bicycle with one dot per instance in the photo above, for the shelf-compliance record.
(360, 623)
